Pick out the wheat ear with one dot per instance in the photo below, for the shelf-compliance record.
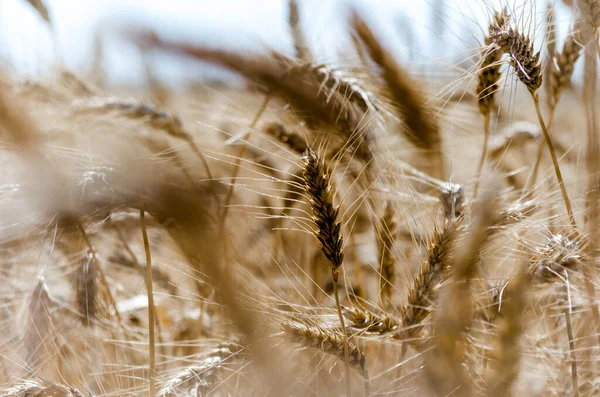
(318, 186)
(329, 340)
(455, 313)
(529, 71)
(387, 262)
(488, 77)
(423, 129)
(422, 293)
(369, 322)
(157, 118)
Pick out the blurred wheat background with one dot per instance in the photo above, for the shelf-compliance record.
(299, 198)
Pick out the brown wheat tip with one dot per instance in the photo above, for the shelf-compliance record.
(131, 108)
(41, 388)
(558, 254)
(328, 340)
(523, 59)
(564, 65)
(198, 380)
(506, 352)
(41, 9)
(294, 141)
(489, 72)
(318, 186)
(87, 290)
(387, 262)
(369, 322)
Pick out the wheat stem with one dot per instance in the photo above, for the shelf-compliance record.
(484, 152)
(343, 326)
(152, 391)
(567, 312)
(559, 177)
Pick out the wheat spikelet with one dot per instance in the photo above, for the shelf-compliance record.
(87, 289)
(564, 65)
(423, 130)
(387, 262)
(489, 71)
(506, 352)
(197, 380)
(317, 179)
(41, 388)
(524, 61)
(328, 340)
(291, 139)
(369, 322)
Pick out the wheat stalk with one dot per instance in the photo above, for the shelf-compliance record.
(318, 186)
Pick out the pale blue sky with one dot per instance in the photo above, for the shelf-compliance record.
(410, 28)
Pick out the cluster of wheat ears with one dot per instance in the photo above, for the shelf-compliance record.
(320, 231)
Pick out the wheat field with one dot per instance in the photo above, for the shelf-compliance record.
(319, 230)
